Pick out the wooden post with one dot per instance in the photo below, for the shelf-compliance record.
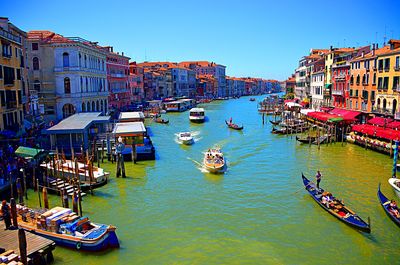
(35, 187)
(98, 157)
(38, 191)
(22, 246)
(263, 117)
(20, 191)
(318, 138)
(102, 152)
(391, 148)
(14, 212)
(45, 199)
(11, 185)
(90, 171)
(65, 199)
(79, 187)
(25, 189)
(342, 134)
(75, 202)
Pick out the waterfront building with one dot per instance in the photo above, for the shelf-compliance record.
(117, 79)
(388, 80)
(290, 84)
(300, 76)
(136, 82)
(206, 86)
(68, 73)
(317, 83)
(209, 68)
(13, 76)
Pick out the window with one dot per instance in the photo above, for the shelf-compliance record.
(35, 46)
(85, 61)
(35, 63)
(18, 74)
(65, 59)
(372, 95)
(1, 72)
(397, 66)
(67, 85)
(387, 64)
(36, 85)
(351, 80)
(380, 83)
(385, 82)
(358, 80)
(374, 79)
(9, 75)
(6, 50)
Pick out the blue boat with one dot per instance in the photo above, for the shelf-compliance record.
(336, 207)
(385, 202)
(67, 229)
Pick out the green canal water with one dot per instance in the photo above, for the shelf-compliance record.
(169, 211)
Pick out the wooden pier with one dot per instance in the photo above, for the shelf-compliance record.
(38, 250)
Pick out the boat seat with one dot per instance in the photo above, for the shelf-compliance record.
(318, 196)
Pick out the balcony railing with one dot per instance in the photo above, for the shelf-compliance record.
(380, 70)
(10, 36)
(337, 92)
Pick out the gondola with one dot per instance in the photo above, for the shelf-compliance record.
(159, 120)
(385, 204)
(338, 209)
(234, 126)
(306, 140)
(279, 131)
(275, 122)
(252, 99)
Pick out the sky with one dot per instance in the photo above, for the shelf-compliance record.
(251, 38)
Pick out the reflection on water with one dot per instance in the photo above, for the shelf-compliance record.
(169, 211)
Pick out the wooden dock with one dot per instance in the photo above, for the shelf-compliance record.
(39, 249)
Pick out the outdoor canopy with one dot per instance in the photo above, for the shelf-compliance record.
(27, 152)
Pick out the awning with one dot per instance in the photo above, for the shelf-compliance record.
(348, 115)
(394, 125)
(379, 121)
(326, 108)
(27, 152)
(374, 131)
(322, 116)
(305, 111)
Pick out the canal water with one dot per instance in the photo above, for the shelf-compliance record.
(169, 211)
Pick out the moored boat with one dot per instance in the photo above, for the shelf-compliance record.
(196, 115)
(275, 122)
(67, 229)
(390, 210)
(65, 169)
(234, 126)
(306, 140)
(185, 138)
(160, 120)
(395, 183)
(214, 161)
(335, 207)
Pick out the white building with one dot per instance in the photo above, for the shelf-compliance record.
(317, 88)
(300, 75)
(68, 73)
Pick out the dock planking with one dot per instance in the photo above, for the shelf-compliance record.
(35, 244)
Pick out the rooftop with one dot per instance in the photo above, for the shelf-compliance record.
(129, 128)
(131, 115)
(77, 122)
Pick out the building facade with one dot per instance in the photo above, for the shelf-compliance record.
(69, 74)
(136, 82)
(13, 76)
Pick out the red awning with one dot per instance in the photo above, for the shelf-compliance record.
(322, 116)
(325, 108)
(379, 121)
(347, 115)
(370, 130)
(393, 125)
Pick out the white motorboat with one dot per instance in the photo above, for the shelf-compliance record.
(395, 183)
(185, 138)
(214, 161)
(196, 115)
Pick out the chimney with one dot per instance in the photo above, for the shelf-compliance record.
(122, 53)
(362, 54)
(373, 49)
(112, 49)
(377, 46)
(331, 48)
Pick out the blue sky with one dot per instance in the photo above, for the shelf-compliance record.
(252, 38)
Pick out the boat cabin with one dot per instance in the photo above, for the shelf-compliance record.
(135, 116)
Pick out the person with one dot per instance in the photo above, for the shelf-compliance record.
(5, 211)
(230, 120)
(318, 177)
(393, 209)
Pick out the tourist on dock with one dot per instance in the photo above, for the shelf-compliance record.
(318, 177)
(5, 212)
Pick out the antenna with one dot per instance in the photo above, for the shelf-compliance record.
(384, 37)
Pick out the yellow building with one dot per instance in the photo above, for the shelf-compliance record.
(388, 84)
(12, 76)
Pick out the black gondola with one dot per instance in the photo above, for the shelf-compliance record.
(339, 210)
(385, 202)
(159, 120)
(234, 126)
(306, 140)
(275, 122)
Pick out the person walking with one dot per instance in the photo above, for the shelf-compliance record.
(5, 212)
(318, 177)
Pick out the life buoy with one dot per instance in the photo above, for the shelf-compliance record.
(78, 245)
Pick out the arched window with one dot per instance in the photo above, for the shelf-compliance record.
(65, 59)
(379, 103)
(86, 84)
(68, 110)
(351, 80)
(105, 106)
(83, 107)
(364, 79)
(101, 85)
(394, 106)
(67, 85)
(88, 106)
(36, 85)
(85, 61)
(97, 105)
(80, 59)
(101, 105)
(35, 63)
(93, 106)
(358, 80)
(384, 104)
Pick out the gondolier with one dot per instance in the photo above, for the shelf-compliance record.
(318, 177)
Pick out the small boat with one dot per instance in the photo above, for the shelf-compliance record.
(275, 122)
(196, 115)
(338, 209)
(214, 161)
(234, 126)
(252, 99)
(65, 169)
(186, 138)
(395, 183)
(279, 131)
(160, 120)
(306, 140)
(385, 202)
(67, 229)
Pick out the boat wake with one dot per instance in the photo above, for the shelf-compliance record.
(195, 135)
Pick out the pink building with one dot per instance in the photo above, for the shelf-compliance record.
(117, 79)
(136, 82)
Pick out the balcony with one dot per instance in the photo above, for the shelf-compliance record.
(11, 37)
(337, 92)
(381, 110)
(6, 55)
(380, 70)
